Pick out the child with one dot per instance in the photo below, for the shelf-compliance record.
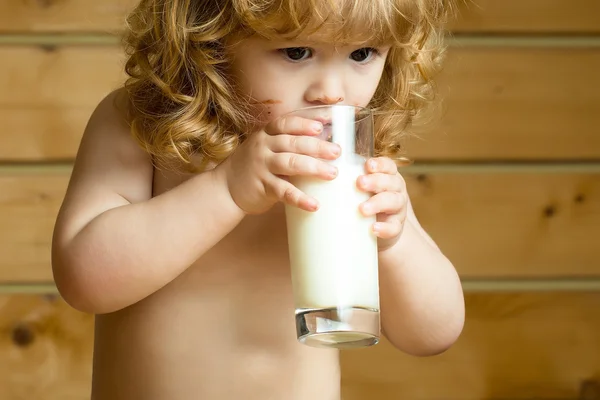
(172, 230)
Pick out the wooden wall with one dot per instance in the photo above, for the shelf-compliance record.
(508, 184)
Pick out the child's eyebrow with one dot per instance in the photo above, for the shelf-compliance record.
(317, 43)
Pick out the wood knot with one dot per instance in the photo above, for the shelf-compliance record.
(48, 48)
(579, 198)
(51, 297)
(421, 178)
(589, 390)
(22, 335)
(45, 3)
(550, 211)
(43, 196)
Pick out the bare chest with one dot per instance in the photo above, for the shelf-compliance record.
(251, 260)
(223, 329)
(261, 235)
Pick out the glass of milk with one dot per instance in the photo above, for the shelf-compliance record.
(333, 251)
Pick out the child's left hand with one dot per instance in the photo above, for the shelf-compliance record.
(389, 201)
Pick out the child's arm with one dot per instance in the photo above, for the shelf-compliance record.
(421, 295)
(422, 306)
(113, 244)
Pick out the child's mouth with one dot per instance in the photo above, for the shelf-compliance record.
(326, 133)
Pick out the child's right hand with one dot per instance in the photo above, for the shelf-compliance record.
(257, 172)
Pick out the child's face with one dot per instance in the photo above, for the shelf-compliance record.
(279, 77)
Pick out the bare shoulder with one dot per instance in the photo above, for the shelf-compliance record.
(111, 169)
(107, 138)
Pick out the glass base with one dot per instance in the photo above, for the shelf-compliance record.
(336, 328)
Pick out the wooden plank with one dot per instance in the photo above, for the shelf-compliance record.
(474, 16)
(500, 103)
(47, 96)
(29, 205)
(45, 349)
(516, 103)
(64, 15)
(535, 16)
(509, 225)
(512, 224)
(513, 346)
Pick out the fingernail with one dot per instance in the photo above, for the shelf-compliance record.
(333, 171)
(317, 127)
(372, 165)
(312, 204)
(336, 150)
(377, 228)
(367, 208)
(362, 181)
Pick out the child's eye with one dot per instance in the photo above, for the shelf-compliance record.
(364, 54)
(297, 53)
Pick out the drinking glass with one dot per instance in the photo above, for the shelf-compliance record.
(333, 251)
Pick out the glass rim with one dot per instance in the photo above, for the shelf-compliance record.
(367, 110)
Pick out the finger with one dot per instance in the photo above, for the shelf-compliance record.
(392, 217)
(290, 164)
(308, 146)
(294, 125)
(389, 229)
(384, 165)
(385, 202)
(381, 182)
(291, 195)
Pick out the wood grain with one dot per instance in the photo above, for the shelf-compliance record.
(47, 96)
(45, 349)
(473, 16)
(489, 224)
(500, 103)
(28, 208)
(513, 346)
(527, 16)
(510, 103)
(512, 224)
(105, 16)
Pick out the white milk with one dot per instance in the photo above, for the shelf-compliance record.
(333, 251)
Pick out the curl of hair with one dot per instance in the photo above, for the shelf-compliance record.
(406, 96)
(181, 101)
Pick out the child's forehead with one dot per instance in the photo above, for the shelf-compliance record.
(329, 38)
(343, 22)
(335, 35)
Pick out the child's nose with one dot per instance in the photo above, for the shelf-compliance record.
(325, 100)
(325, 91)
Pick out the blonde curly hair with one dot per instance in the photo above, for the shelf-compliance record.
(182, 101)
